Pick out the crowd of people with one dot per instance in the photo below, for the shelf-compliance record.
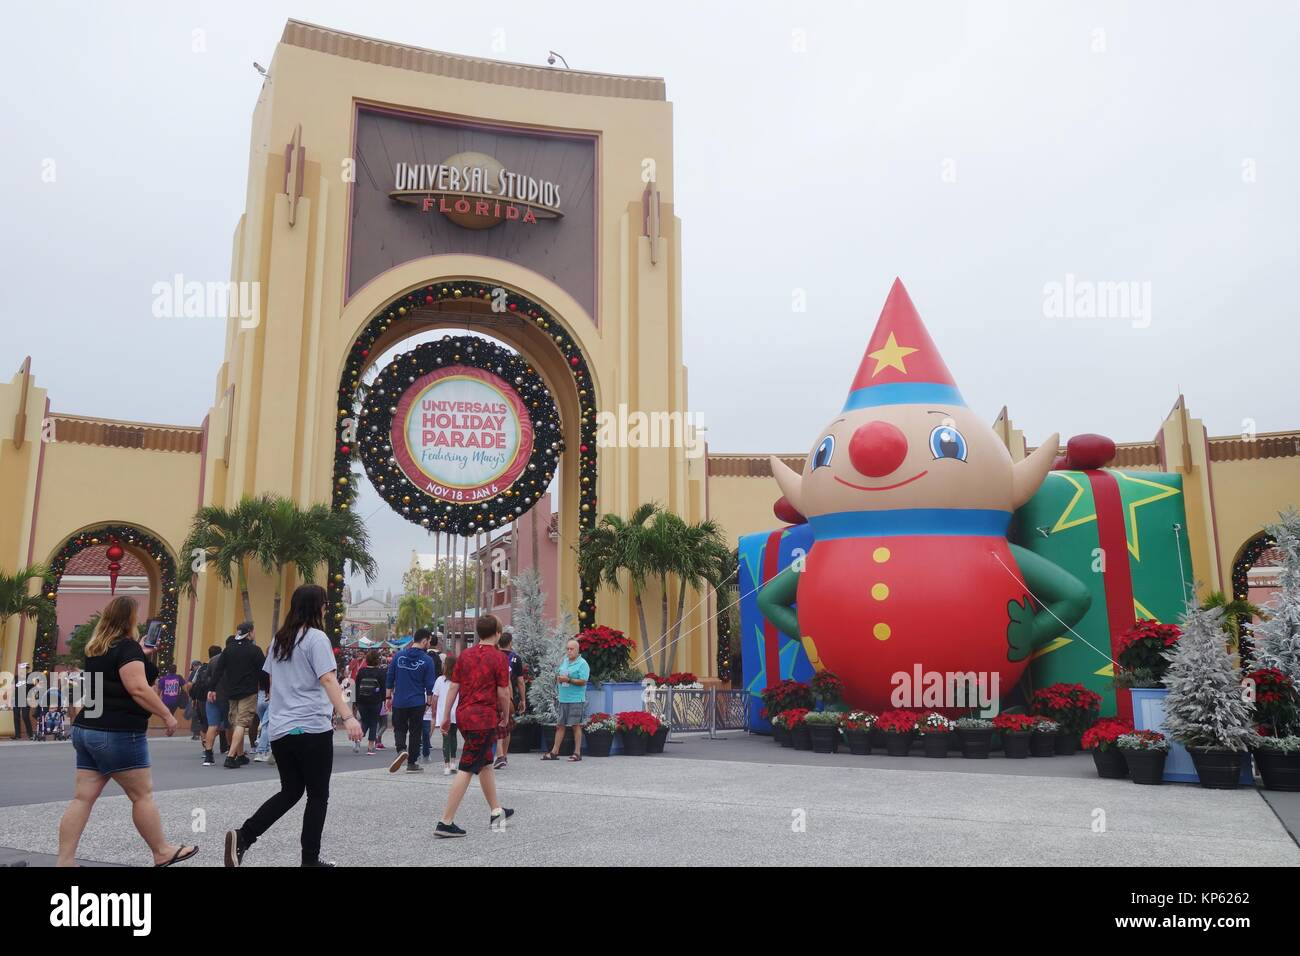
(287, 704)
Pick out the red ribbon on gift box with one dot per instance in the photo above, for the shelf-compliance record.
(1117, 576)
(771, 639)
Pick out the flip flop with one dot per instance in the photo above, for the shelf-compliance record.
(574, 758)
(178, 858)
(549, 756)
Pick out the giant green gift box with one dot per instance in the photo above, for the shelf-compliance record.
(1137, 523)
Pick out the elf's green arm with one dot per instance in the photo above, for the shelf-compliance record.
(776, 602)
(1064, 598)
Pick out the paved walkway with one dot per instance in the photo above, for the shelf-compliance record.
(687, 806)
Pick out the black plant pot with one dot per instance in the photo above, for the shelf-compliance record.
(1218, 769)
(787, 738)
(1042, 744)
(1280, 771)
(1067, 745)
(800, 739)
(1110, 763)
(936, 745)
(548, 740)
(597, 743)
(781, 736)
(655, 745)
(859, 742)
(876, 737)
(976, 743)
(1016, 745)
(897, 745)
(1146, 766)
(525, 738)
(634, 744)
(825, 738)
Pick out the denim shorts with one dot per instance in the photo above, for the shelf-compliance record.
(215, 713)
(110, 751)
(571, 714)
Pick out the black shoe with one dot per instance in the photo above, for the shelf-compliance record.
(235, 848)
(320, 862)
(414, 768)
(231, 763)
(207, 758)
(243, 760)
(194, 736)
(499, 819)
(447, 830)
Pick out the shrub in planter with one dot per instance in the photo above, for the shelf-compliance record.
(635, 726)
(598, 735)
(800, 738)
(606, 650)
(935, 730)
(1144, 752)
(683, 679)
(657, 739)
(1205, 710)
(976, 735)
(857, 731)
(1277, 708)
(898, 727)
(1014, 730)
(828, 690)
(1141, 657)
(1278, 760)
(781, 731)
(1042, 737)
(526, 736)
(1072, 706)
(787, 695)
(824, 730)
(1101, 739)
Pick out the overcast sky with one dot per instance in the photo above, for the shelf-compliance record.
(980, 151)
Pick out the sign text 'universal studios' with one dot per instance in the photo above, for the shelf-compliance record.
(488, 190)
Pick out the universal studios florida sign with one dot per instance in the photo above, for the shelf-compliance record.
(476, 191)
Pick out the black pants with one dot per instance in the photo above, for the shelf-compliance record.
(408, 725)
(304, 762)
(369, 716)
(23, 714)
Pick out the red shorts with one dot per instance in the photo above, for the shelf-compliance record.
(477, 751)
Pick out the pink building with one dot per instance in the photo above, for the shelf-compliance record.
(84, 590)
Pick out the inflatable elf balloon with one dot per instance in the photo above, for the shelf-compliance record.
(909, 496)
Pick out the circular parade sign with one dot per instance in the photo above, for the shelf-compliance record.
(461, 434)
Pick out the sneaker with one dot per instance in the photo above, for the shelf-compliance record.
(380, 747)
(231, 764)
(414, 768)
(356, 746)
(499, 816)
(396, 765)
(371, 752)
(320, 862)
(243, 760)
(261, 758)
(500, 762)
(235, 848)
(207, 758)
(447, 830)
(446, 771)
(192, 737)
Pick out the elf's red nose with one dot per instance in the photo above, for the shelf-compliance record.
(877, 449)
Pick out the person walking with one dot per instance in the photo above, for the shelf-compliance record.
(305, 694)
(22, 707)
(572, 676)
(197, 702)
(235, 682)
(262, 752)
(480, 688)
(370, 681)
(516, 665)
(110, 739)
(410, 681)
(444, 710)
(170, 688)
(214, 714)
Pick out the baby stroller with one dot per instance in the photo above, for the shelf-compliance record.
(52, 725)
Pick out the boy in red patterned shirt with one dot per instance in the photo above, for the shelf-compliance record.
(480, 692)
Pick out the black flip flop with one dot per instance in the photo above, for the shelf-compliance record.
(549, 756)
(178, 858)
(574, 758)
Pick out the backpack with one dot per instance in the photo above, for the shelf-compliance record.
(368, 687)
(200, 681)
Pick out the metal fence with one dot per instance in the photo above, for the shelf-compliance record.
(700, 710)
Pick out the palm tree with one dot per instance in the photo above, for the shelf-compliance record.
(16, 601)
(344, 540)
(227, 539)
(700, 554)
(615, 548)
(1235, 610)
(288, 535)
(414, 611)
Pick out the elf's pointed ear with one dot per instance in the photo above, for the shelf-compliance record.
(1027, 476)
(790, 482)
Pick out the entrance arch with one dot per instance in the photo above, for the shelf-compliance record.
(159, 566)
(548, 346)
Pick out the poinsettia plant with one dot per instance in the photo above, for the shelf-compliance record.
(640, 722)
(932, 723)
(786, 695)
(1013, 723)
(1142, 740)
(606, 650)
(1072, 706)
(858, 720)
(897, 721)
(1277, 705)
(828, 690)
(1141, 651)
(600, 723)
(1104, 734)
(794, 717)
(675, 679)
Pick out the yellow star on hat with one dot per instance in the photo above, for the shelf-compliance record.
(890, 355)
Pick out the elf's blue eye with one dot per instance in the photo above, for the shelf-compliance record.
(822, 456)
(947, 442)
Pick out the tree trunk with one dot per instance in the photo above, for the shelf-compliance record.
(243, 592)
(645, 633)
(677, 627)
(663, 617)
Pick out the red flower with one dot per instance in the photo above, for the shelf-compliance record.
(1103, 734)
(795, 717)
(638, 722)
(1013, 723)
(897, 721)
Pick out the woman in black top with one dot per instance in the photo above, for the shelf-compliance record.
(369, 689)
(110, 734)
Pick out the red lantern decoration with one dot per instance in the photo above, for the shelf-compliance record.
(115, 554)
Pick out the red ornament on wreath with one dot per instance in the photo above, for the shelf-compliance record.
(115, 554)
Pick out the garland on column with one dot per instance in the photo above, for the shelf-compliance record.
(358, 408)
(1241, 587)
(43, 652)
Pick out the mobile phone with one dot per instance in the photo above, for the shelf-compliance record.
(153, 634)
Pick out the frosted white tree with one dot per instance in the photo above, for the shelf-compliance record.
(539, 643)
(1277, 637)
(1205, 707)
